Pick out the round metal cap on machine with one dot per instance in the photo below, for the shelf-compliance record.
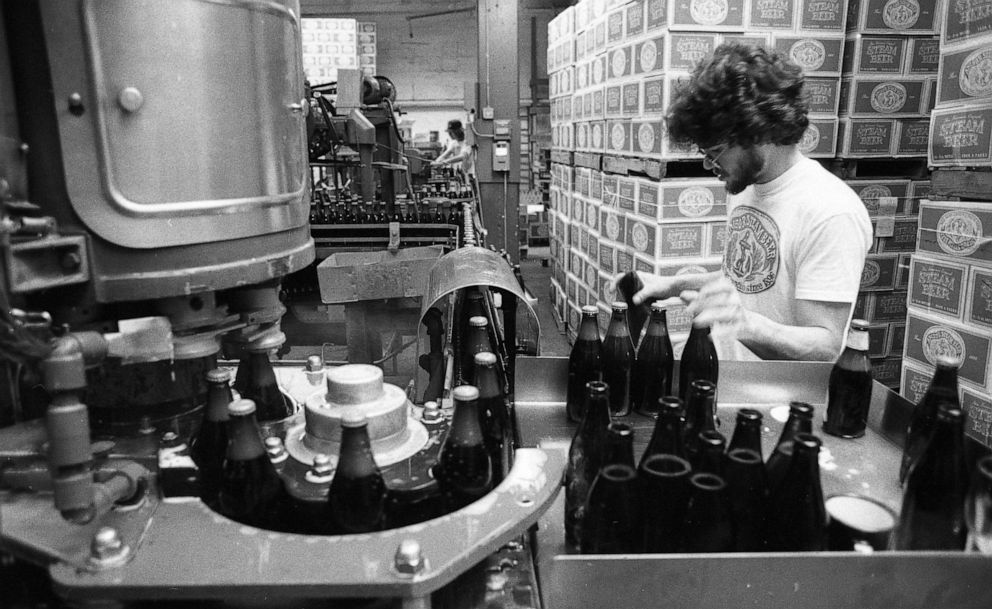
(357, 391)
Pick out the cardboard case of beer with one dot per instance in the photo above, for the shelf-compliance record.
(820, 138)
(892, 16)
(822, 15)
(965, 74)
(937, 286)
(879, 272)
(816, 55)
(961, 136)
(707, 15)
(965, 22)
(978, 298)
(957, 230)
(912, 137)
(692, 200)
(772, 15)
(823, 94)
(882, 97)
(683, 50)
(869, 54)
(928, 336)
(873, 192)
(865, 137)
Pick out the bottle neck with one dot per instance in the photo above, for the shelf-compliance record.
(487, 382)
(589, 328)
(244, 439)
(356, 459)
(261, 368)
(658, 326)
(857, 339)
(465, 428)
(218, 397)
(946, 377)
(618, 326)
(597, 416)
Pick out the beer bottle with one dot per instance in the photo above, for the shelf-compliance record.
(796, 514)
(612, 516)
(800, 421)
(667, 435)
(747, 431)
(464, 470)
(251, 491)
(943, 388)
(585, 456)
(585, 363)
(932, 515)
(619, 444)
(651, 377)
(209, 444)
(978, 507)
(357, 496)
(664, 485)
(747, 488)
(476, 341)
(849, 390)
(618, 359)
(308, 499)
(259, 383)
(709, 526)
(709, 456)
(700, 415)
(699, 360)
(628, 285)
(492, 406)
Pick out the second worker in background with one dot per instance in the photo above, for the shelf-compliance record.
(796, 234)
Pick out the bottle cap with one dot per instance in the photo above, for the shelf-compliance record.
(478, 321)
(465, 393)
(859, 324)
(590, 310)
(353, 417)
(946, 360)
(619, 306)
(485, 358)
(315, 363)
(219, 375)
(241, 407)
(658, 305)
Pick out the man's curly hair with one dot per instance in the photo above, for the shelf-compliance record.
(742, 95)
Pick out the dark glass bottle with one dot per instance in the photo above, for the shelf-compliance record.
(747, 431)
(978, 506)
(619, 444)
(709, 526)
(932, 515)
(699, 360)
(439, 214)
(464, 470)
(585, 456)
(476, 341)
(800, 421)
(700, 415)
(209, 445)
(849, 389)
(357, 496)
(492, 406)
(585, 363)
(943, 388)
(747, 487)
(612, 518)
(308, 511)
(664, 485)
(667, 435)
(797, 518)
(251, 491)
(259, 385)
(709, 456)
(651, 377)
(628, 285)
(618, 360)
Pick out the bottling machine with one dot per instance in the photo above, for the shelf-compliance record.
(155, 192)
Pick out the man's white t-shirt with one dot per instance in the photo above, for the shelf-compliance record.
(804, 236)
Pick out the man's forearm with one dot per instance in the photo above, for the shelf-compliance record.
(771, 340)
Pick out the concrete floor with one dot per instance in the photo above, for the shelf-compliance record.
(537, 278)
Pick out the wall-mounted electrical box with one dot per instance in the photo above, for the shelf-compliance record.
(501, 156)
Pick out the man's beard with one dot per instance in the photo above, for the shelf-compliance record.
(749, 167)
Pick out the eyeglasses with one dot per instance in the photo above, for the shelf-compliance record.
(710, 161)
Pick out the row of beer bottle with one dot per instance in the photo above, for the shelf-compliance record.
(637, 378)
(691, 492)
(239, 472)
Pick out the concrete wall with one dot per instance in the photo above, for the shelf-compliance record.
(430, 68)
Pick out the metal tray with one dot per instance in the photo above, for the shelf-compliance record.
(867, 466)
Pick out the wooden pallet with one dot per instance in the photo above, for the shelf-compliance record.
(972, 184)
(654, 168)
(913, 168)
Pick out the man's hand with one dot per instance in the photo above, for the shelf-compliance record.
(716, 302)
(655, 287)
